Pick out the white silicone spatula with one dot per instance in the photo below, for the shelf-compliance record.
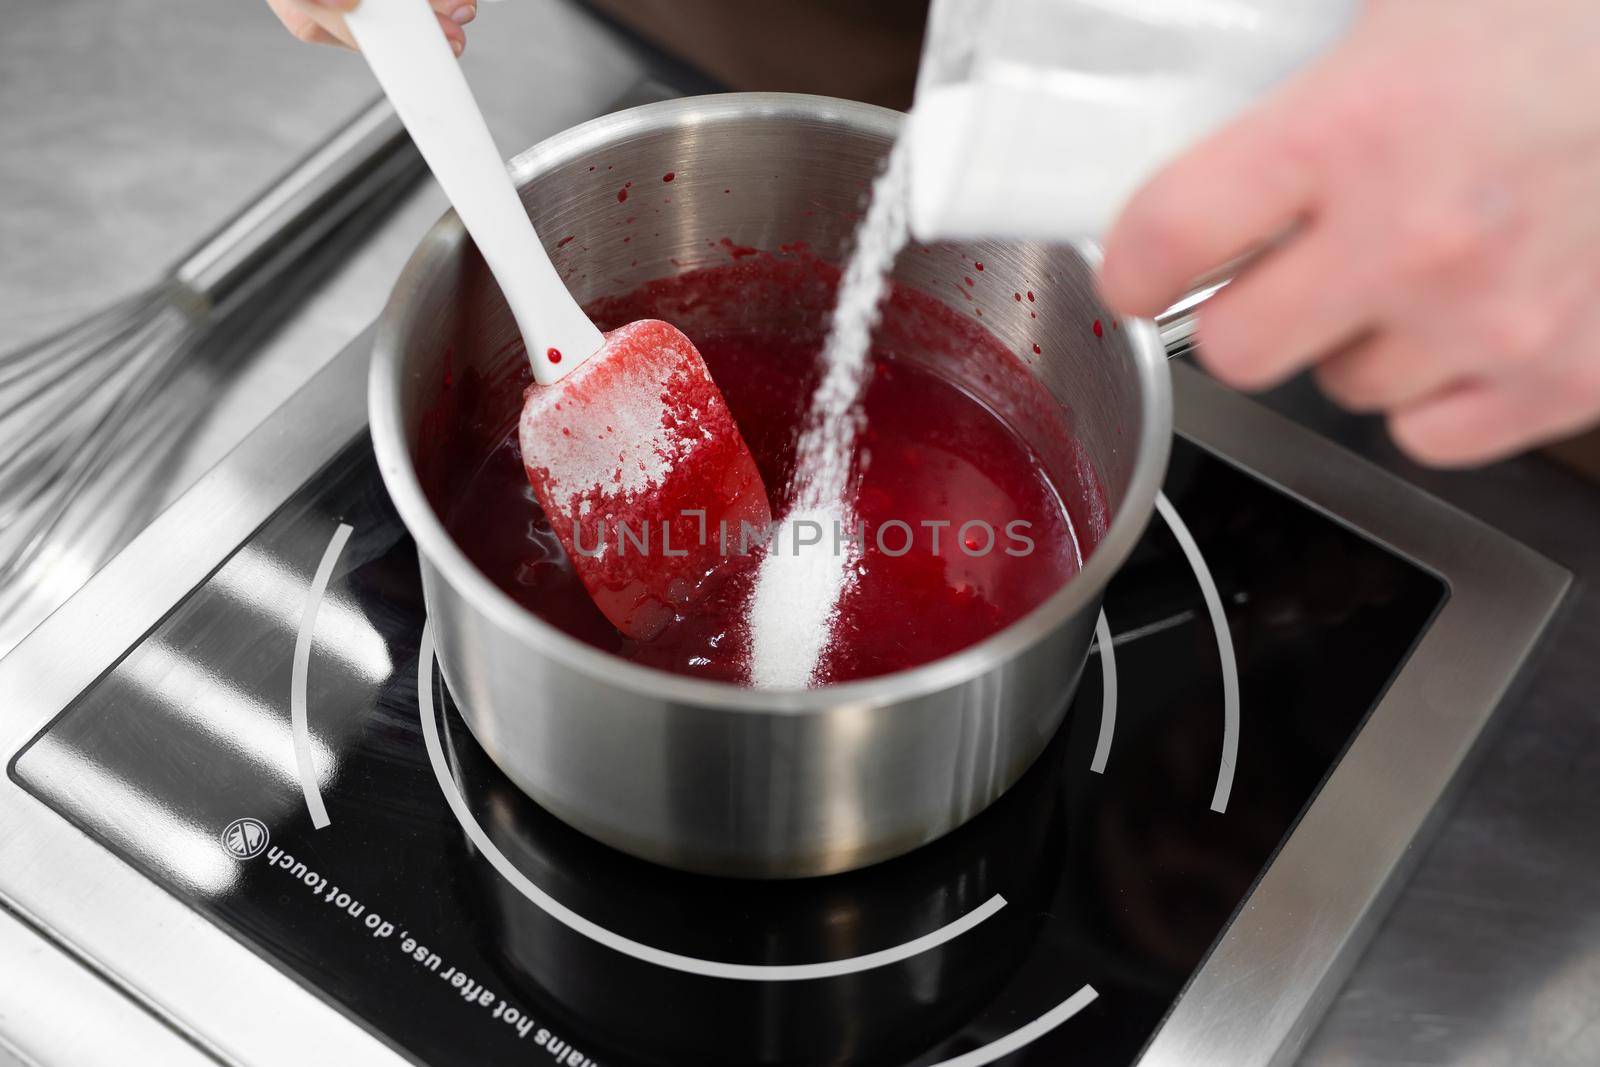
(414, 64)
(624, 436)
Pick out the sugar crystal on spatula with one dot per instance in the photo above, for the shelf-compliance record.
(642, 473)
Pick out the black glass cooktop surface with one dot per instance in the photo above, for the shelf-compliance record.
(440, 908)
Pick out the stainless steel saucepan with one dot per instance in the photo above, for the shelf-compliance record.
(712, 777)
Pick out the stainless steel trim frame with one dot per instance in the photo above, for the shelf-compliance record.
(84, 1023)
(1267, 981)
(1250, 1004)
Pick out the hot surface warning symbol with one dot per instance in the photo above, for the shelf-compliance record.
(245, 838)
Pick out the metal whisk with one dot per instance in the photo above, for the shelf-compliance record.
(65, 401)
(88, 414)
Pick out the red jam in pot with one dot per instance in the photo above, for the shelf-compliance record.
(934, 464)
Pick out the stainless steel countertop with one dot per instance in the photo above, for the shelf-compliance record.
(128, 129)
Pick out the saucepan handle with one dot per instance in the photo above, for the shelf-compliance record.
(1177, 323)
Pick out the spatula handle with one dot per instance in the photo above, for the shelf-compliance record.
(413, 62)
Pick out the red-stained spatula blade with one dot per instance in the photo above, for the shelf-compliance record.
(640, 468)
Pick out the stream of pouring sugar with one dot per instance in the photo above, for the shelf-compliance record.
(798, 586)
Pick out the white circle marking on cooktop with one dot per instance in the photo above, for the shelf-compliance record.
(1230, 666)
(298, 721)
(1023, 1035)
(1108, 691)
(748, 972)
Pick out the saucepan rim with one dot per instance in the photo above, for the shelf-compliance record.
(389, 371)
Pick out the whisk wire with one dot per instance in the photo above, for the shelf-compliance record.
(55, 405)
(86, 450)
(69, 341)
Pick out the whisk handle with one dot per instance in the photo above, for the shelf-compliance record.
(369, 156)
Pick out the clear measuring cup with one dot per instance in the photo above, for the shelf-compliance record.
(1038, 118)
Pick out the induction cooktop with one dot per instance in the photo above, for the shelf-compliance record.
(235, 747)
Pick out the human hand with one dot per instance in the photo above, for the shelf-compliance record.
(322, 21)
(1435, 182)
